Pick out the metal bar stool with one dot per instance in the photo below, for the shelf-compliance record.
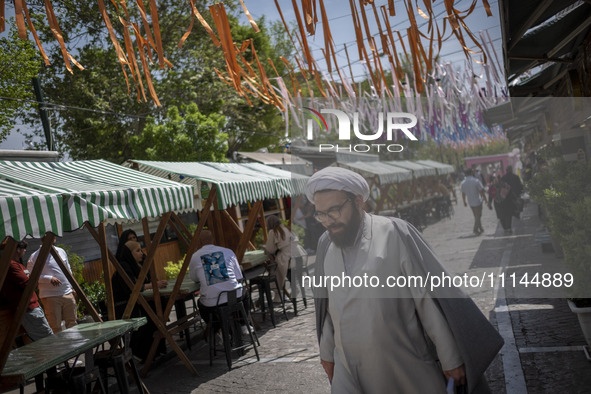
(264, 284)
(229, 315)
(118, 357)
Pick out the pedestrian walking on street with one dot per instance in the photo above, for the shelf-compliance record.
(473, 189)
(492, 193)
(509, 199)
(401, 339)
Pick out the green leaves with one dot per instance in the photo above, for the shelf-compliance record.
(564, 192)
(98, 119)
(19, 64)
(192, 137)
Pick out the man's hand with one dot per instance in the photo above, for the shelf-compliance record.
(328, 368)
(55, 281)
(459, 375)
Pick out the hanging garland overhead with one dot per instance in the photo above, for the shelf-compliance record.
(379, 48)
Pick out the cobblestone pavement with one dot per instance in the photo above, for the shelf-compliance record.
(543, 341)
(543, 350)
(289, 363)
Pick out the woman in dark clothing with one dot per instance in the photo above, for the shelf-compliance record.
(492, 194)
(510, 205)
(130, 259)
(127, 235)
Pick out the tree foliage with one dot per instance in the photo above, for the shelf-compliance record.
(196, 137)
(99, 119)
(563, 190)
(19, 63)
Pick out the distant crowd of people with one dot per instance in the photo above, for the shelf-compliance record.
(504, 194)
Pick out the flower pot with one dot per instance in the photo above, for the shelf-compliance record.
(584, 315)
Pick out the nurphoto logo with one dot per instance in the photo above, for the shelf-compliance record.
(402, 121)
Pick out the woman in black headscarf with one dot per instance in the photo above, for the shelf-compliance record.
(127, 235)
(130, 258)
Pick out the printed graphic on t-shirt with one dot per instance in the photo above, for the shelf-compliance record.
(214, 266)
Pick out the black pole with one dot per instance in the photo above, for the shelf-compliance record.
(43, 114)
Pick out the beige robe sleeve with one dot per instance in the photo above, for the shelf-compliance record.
(327, 340)
(438, 331)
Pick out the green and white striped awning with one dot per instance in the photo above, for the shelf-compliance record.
(237, 183)
(25, 211)
(442, 169)
(418, 170)
(97, 190)
(386, 174)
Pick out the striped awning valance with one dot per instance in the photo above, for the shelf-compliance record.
(418, 170)
(237, 183)
(442, 169)
(26, 211)
(386, 174)
(97, 190)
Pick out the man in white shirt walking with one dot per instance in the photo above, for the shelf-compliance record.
(473, 188)
(56, 293)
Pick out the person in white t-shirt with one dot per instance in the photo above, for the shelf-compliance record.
(56, 293)
(216, 269)
(473, 189)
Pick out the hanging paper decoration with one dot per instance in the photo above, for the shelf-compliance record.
(380, 51)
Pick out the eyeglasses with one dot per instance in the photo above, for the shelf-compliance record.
(334, 213)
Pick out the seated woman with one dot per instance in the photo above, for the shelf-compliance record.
(131, 257)
(280, 243)
(127, 235)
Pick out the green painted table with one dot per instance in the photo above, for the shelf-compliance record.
(253, 263)
(30, 360)
(188, 286)
(253, 258)
(184, 321)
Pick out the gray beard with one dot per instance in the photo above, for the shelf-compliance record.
(347, 237)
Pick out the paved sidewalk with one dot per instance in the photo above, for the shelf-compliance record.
(289, 363)
(543, 340)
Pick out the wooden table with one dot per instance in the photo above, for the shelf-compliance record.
(35, 358)
(253, 263)
(188, 286)
(184, 321)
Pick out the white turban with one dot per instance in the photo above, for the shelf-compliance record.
(337, 178)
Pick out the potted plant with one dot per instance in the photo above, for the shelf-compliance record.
(77, 267)
(564, 194)
(172, 269)
(95, 292)
(583, 312)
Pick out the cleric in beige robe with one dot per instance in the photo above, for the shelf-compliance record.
(388, 339)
